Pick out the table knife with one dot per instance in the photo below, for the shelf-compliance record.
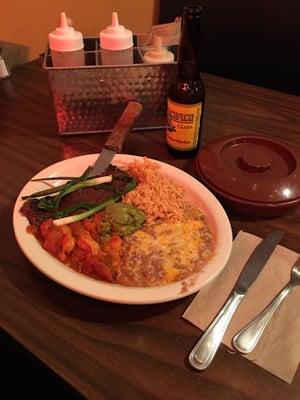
(205, 349)
(116, 139)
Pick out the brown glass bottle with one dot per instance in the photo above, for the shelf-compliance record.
(187, 94)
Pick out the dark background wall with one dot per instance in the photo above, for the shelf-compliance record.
(254, 41)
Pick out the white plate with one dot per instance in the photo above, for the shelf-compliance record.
(55, 270)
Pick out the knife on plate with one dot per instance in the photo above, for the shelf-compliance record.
(116, 139)
(205, 349)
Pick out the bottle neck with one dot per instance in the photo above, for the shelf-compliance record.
(189, 49)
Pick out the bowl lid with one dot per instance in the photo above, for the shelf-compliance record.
(252, 168)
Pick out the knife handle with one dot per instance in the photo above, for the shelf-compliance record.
(123, 126)
(205, 349)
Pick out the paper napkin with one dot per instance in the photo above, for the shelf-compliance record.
(278, 350)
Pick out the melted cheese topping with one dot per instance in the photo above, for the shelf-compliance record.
(165, 252)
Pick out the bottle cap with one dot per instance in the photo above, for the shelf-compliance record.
(192, 11)
(115, 36)
(158, 54)
(65, 38)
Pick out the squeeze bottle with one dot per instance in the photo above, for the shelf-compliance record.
(4, 71)
(116, 44)
(158, 54)
(66, 45)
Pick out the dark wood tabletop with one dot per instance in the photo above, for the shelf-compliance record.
(113, 351)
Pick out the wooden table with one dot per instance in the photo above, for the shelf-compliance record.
(110, 351)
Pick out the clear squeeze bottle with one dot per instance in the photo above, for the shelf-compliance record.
(116, 43)
(158, 54)
(187, 93)
(66, 45)
(4, 71)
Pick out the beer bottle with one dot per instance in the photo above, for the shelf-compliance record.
(186, 95)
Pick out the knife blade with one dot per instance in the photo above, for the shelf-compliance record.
(116, 139)
(205, 349)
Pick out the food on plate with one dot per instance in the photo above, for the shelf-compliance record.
(164, 253)
(68, 201)
(159, 197)
(122, 219)
(133, 226)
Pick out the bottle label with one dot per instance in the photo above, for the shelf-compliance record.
(183, 125)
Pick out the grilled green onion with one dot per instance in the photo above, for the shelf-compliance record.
(84, 214)
(56, 189)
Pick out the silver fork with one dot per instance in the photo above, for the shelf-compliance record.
(247, 338)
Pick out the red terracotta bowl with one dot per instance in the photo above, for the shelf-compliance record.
(254, 175)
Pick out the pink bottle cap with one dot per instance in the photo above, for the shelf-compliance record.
(65, 38)
(115, 36)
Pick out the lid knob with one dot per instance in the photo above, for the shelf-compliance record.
(254, 162)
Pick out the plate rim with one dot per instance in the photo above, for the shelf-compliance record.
(67, 277)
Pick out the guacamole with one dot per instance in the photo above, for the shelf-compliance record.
(122, 219)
